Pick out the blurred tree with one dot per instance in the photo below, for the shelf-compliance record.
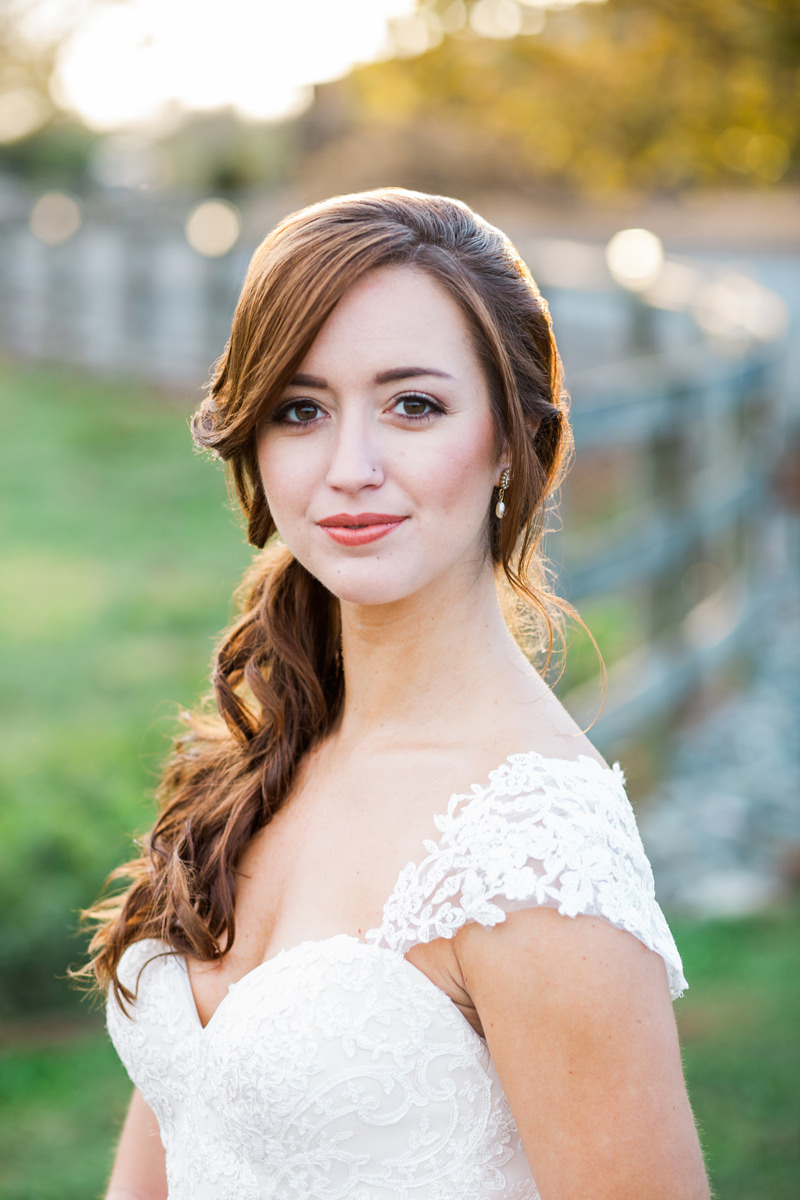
(58, 154)
(31, 35)
(222, 153)
(26, 65)
(217, 151)
(36, 138)
(644, 94)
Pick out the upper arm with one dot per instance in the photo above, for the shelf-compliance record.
(139, 1167)
(578, 1019)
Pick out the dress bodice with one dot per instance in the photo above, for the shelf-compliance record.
(337, 1070)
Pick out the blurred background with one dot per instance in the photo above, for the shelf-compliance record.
(644, 155)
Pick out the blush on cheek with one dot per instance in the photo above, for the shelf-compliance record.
(454, 484)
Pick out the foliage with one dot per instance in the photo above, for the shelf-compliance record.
(57, 155)
(221, 153)
(118, 568)
(643, 94)
(597, 97)
(32, 33)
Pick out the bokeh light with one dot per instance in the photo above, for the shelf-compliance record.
(635, 258)
(496, 18)
(735, 309)
(22, 110)
(213, 227)
(765, 155)
(55, 217)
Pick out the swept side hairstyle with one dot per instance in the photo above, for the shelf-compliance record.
(277, 678)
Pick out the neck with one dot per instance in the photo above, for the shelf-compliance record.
(426, 670)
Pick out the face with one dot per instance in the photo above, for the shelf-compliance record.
(379, 461)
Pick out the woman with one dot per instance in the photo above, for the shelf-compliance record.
(327, 978)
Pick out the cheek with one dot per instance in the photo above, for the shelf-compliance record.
(463, 478)
(281, 478)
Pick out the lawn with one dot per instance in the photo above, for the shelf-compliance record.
(741, 1040)
(120, 553)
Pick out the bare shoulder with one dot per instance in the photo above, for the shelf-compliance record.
(542, 722)
(568, 963)
(578, 1019)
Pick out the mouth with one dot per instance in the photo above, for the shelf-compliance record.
(359, 520)
(360, 528)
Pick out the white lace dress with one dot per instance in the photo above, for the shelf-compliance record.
(339, 1071)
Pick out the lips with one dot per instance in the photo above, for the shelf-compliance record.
(360, 519)
(358, 529)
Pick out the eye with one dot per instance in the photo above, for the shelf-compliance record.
(297, 412)
(416, 406)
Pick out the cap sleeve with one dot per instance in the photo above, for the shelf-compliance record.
(549, 833)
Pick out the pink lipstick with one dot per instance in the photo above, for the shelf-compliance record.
(361, 528)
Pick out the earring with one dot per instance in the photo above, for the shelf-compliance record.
(500, 508)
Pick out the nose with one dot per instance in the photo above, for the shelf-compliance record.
(355, 461)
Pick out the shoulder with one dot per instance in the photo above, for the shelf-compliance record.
(579, 1025)
(540, 804)
(543, 833)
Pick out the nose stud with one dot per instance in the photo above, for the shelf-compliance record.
(500, 508)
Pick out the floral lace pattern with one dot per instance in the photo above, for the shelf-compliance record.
(552, 833)
(337, 1070)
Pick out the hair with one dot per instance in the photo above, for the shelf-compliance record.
(277, 678)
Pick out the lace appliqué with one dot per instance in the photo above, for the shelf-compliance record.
(543, 833)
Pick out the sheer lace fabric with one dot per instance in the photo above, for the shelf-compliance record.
(337, 1069)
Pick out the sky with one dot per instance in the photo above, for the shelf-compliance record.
(129, 61)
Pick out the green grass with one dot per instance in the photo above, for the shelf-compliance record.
(61, 1108)
(741, 1038)
(120, 553)
(62, 1103)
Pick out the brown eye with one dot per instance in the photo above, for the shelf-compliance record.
(299, 412)
(415, 406)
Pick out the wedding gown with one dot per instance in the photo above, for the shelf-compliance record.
(337, 1070)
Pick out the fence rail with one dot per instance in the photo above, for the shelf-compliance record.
(692, 552)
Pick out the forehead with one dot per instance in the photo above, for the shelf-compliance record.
(397, 310)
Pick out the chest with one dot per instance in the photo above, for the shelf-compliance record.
(325, 866)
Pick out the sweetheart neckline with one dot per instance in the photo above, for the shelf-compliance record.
(476, 789)
(289, 951)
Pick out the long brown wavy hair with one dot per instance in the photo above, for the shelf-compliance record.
(278, 686)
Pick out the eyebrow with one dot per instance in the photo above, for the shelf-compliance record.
(392, 376)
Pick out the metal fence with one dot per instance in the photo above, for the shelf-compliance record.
(684, 542)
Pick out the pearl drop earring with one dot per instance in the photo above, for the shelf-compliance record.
(500, 508)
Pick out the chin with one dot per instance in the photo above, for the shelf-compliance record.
(356, 587)
(368, 597)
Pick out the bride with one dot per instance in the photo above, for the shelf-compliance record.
(393, 935)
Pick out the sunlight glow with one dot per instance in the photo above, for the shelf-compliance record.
(130, 62)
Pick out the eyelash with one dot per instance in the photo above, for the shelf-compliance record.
(281, 414)
(433, 406)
